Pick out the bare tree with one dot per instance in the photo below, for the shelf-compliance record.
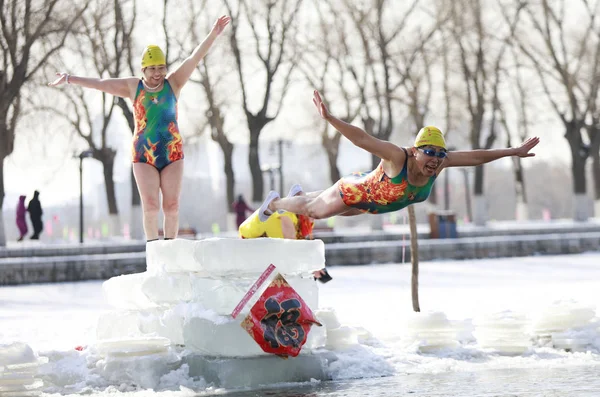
(125, 62)
(564, 50)
(327, 70)
(30, 35)
(211, 81)
(520, 98)
(374, 75)
(481, 50)
(415, 73)
(105, 35)
(271, 25)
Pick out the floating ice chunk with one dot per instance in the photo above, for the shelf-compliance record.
(338, 336)
(328, 318)
(219, 257)
(505, 332)
(139, 346)
(578, 340)
(561, 316)
(16, 353)
(18, 370)
(430, 331)
(341, 337)
(142, 363)
(567, 325)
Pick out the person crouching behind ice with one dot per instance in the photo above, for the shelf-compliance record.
(282, 224)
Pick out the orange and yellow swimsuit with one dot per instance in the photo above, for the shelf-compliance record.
(157, 140)
(376, 193)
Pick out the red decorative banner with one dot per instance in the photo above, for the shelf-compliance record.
(280, 320)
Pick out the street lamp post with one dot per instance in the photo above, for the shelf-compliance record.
(278, 146)
(270, 169)
(82, 155)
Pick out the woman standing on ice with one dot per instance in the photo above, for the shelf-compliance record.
(157, 145)
(404, 176)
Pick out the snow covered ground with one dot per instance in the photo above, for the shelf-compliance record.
(397, 355)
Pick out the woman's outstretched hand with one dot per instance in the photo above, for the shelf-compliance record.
(220, 24)
(321, 106)
(62, 79)
(525, 147)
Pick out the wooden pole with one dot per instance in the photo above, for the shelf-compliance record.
(414, 258)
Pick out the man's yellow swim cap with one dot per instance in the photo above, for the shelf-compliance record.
(153, 56)
(430, 136)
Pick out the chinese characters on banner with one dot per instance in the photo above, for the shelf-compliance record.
(280, 320)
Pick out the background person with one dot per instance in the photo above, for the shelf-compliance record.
(35, 214)
(21, 220)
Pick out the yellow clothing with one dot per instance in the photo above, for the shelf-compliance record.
(254, 228)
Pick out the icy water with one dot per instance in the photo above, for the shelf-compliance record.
(546, 382)
(54, 318)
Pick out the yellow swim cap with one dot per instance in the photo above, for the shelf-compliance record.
(430, 136)
(153, 56)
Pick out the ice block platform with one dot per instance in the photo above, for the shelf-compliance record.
(252, 372)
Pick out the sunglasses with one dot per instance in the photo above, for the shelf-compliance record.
(432, 153)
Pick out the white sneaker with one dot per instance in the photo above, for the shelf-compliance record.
(294, 190)
(265, 205)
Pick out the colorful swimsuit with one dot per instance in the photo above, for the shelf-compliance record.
(376, 193)
(156, 140)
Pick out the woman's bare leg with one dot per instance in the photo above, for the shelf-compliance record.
(170, 185)
(287, 228)
(147, 179)
(324, 205)
(352, 212)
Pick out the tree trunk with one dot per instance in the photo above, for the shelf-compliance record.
(480, 216)
(6, 147)
(581, 211)
(136, 230)
(369, 125)
(414, 258)
(578, 170)
(334, 171)
(468, 196)
(2, 192)
(135, 194)
(594, 150)
(2, 229)
(108, 163)
(227, 148)
(332, 146)
(254, 164)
